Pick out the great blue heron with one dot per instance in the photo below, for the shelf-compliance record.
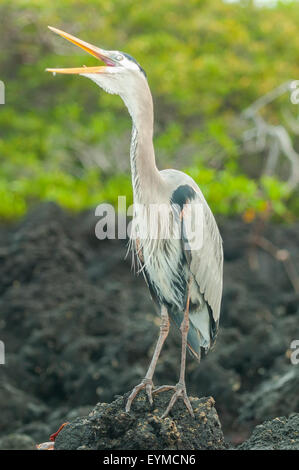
(185, 282)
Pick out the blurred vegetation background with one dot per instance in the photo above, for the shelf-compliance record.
(64, 139)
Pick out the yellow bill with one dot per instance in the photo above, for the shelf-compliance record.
(93, 50)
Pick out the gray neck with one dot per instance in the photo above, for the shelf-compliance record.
(146, 179)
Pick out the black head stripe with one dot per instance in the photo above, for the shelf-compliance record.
(128, 56)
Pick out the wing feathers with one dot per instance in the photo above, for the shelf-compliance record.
(206, 259)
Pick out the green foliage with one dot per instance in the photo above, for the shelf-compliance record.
(206, 61)
(229, 193)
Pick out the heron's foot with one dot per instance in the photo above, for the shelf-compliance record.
(179, 391)
(146, 384)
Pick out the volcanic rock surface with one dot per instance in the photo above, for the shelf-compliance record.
(109, 427)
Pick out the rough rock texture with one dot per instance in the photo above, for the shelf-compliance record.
(279, 433)
(17, 442)
(109, 427)
(80, 328)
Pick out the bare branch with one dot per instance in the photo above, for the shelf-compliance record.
(275, 139)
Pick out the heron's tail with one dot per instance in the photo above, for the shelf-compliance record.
(202, 329)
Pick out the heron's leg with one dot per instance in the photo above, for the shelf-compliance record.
(147, 382)
(180, 387)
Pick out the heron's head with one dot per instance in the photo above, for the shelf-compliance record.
(121, 74)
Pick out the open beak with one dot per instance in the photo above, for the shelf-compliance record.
(93, 50)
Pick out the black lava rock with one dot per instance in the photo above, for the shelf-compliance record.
(109, 427)
(277, 434)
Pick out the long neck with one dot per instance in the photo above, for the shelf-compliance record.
(145, 175)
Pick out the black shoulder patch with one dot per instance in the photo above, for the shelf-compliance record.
(128, 56)
(182, 194)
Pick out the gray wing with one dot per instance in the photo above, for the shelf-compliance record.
(203, 249)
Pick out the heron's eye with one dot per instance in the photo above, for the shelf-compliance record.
(119, 57)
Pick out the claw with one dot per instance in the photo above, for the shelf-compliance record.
(146, 384)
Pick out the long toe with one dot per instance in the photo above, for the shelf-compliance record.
(146, 384)
(180, 391)
(163, 388)
(188, 404)
(173, 399)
